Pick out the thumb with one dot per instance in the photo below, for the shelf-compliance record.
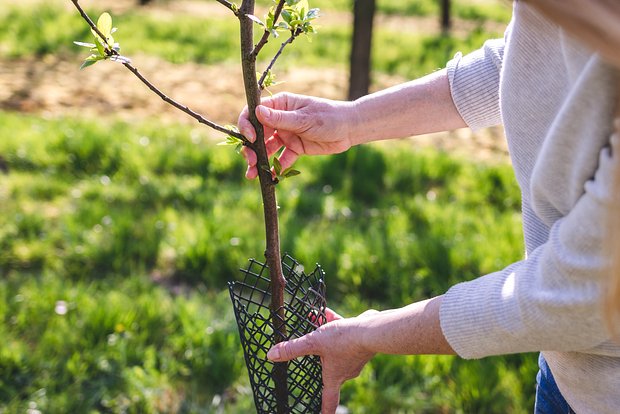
(281, 120)
(331, 398)
(285, 351)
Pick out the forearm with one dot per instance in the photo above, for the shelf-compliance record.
(413, 329)
(418, 107)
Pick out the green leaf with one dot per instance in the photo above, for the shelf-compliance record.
(269, 19)
(313, 14)
(84, 44)
(100, 47)
(91, 60)
(255, 19)
(87, 63)
(277, 166)
(104, 24)
(302, 5)
(286, 15)
(232, 140)
(289, 172)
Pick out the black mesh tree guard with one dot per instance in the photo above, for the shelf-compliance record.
(304, 309)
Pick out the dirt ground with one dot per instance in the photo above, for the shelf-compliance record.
(54, 86)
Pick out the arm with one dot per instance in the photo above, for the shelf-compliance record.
(554, 299)
(466, 93)
(346, 345)
(315, 126)
(417, 107)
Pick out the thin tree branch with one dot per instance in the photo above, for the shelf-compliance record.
(228, 5)
(184, 108)
(273, 61)
(265, 38)
(108, 47)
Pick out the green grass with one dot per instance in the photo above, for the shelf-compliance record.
(191, 39)
(92, 211)
(494, 10)
(120, 345)
(117, 240)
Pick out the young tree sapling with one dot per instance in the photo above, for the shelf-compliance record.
(297, 19)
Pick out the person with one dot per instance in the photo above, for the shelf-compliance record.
(550, 82)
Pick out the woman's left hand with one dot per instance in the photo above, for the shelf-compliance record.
(342, 355)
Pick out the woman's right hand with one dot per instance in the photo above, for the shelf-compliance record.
(301, 125)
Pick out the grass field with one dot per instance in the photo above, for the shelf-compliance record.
(117, 240)
(211, 40)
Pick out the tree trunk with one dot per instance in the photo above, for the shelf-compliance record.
(359, 80)
(270, 208)
(446, 22)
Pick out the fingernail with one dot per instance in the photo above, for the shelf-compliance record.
(273, 354)
(250, 173)
(249, 134)
(264, 112)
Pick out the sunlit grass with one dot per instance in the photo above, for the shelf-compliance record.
(117, 239)
(214, 40)
(92, 213)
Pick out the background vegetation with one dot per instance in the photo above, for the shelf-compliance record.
(117, 239)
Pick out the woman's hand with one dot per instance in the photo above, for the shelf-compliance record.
(346, 345)
(342, 355)
(301, 125)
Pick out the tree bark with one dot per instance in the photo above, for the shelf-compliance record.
(270, 207)
(361, 43)
(446, 21)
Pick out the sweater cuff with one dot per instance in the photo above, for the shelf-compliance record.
(471, 328)
(474, 84)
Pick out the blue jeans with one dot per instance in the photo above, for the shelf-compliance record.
(549, 400)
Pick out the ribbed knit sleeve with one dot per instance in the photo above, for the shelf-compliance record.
(474, 83)
(550, 301)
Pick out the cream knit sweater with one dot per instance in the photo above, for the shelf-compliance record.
(555, 100)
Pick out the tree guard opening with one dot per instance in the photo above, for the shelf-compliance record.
(304, 310)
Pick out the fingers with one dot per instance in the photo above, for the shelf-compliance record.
(275, 112)
(331, 398)
(273, 144)
(245, 127)
(318, 319)
(331, 315)
(295, 348)
(288, 158)
(250, 157)
(276, 119)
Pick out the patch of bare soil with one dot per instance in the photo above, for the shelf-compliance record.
(55, 87)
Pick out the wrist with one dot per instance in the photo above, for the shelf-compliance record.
(365, 332)
(353, 123)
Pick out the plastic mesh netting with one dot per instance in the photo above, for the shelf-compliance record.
(304, 310)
